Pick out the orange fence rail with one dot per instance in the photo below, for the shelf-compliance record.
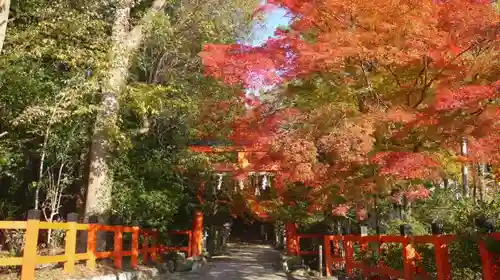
(149, 248)
(408, 254)
(491, 269)
(307, 236)
(187, 249)
(339, 252)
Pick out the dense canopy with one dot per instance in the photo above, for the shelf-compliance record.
(370, 97)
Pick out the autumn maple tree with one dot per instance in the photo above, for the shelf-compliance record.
(367, 95)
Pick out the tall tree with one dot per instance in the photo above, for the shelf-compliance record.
(187, 19)
(154, 173)
(124, 44)
(4, 19)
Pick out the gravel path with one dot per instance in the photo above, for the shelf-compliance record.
(244, 262)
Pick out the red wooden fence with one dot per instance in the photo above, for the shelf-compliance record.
(334, 256)
(187, 249)
(149, 248)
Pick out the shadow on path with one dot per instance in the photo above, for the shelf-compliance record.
(244, 262)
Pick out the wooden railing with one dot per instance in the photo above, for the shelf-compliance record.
(301, 236)
(149, 248)
(408, 254)
(187, 249)
(339, 251)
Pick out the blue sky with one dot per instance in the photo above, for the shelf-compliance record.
(264, 29)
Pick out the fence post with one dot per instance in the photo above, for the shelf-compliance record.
(349, 255)
(154, 245)
(92, 242)
(486, 261)
(197, 234)
(443, 267)
(328, 255)
(363, 231)
(70, 240)
(487, 258)
(118, 244)
(298, 251)
(31, 245)
(340, 246)
(347, 250)
(190, 244)
(320, 261)
(408, 251)
(145, 247)
(291, 239)
(135, 247)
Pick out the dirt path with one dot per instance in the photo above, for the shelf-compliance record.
(244, 262)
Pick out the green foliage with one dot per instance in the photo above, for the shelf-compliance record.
(51, 69)
(155, 178)
(46, 100)
(418, 227)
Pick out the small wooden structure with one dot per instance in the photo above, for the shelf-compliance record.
(246, 165)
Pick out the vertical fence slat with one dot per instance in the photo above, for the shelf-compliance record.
(486, 261)
(135, 247)
(154, 245)
(320, 261)
(338, 249)
(328, 255)
(30, 247)
(291, 239)
(443, 266)
(92, 245)
(407, 260)
(349, 255)
(298, 250)
(145, 247)
(442, 260)
(364, 245)
(190, 244)
(408, 251)
(118, 244)
(197, 229)
(70, 246)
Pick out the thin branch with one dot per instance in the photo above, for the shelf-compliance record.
(408, 95)
(394, 75)
(44, 146)
(429, 84)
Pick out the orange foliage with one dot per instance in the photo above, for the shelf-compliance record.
(437, 63)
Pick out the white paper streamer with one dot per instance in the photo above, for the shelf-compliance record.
(219, 182)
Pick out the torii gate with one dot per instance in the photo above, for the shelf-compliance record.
(243, 163)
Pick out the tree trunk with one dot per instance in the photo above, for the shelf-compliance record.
(465, 170)
(124, 44)
(99, 181)
(377, 214)
(406, 209)
(475, 174)
(482, 180)
(4, 19)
